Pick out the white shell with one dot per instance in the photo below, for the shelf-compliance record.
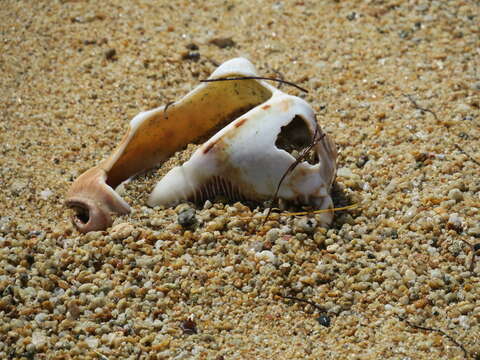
(242, 160)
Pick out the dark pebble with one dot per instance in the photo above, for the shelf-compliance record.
(362, 160)
(192, 46)
(352, 16)
(111, 54)
(189, 327)
(324, 320)
(187, 218)
(191, 55)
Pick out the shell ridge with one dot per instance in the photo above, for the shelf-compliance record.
(216, 186)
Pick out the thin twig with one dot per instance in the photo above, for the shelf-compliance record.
(465, 352)
(257, 78)
(166, 108)
(301, 213)
(415, 104)
(316, 306)
(467, 154)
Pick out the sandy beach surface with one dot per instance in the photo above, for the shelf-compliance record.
(396, 84)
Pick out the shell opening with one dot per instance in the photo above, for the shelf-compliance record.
(88, 215)
(295, 137)
(82, 214)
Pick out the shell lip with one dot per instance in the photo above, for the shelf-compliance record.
(89, 215)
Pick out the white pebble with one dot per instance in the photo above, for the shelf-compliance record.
(41, 317)
(464, 321)
(455, 220)
(92, 342)
(344, 172)
(410, 275)
(410, 213)
(332, 248)
(272, 235)
(455, 194)
(45, 194)
(38, 338)
(266, 255)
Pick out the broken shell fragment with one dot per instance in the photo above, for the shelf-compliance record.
(247, 159)
(244, 160)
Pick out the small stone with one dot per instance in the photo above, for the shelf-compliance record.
(421, 303)
(324, 320)
(308, 280)
(74, 309)
(111, 55)
(267, 256)
(455, 194)
(474, 231)
(187, 218)
(208, 204)
(455, 222)
(38, 339)
(465, 308)
(411, 212)
(223, 43)
(192, 46)
(41, 317)
(464, 322)
(92, 342)
(362, 160)
(121, 231)
(45, 194)
(305, 225)
(191, 55)
(272, 235)
(332, 248)
(189, 326)
(410, 275)
(436, 284)
(345, 172)
(463, 108)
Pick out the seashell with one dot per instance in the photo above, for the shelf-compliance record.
(247, 159)
(153, 136)
(243, 160)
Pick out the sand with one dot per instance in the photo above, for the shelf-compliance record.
(395, 83)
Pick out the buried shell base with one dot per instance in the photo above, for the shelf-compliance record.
(245, 160)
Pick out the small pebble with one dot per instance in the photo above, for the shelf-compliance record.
(455, 222)
(45, 194)
(272, 235)
(187, 218)
(111, 54)
(455, 194)
(223, 43)
(345, 172)
(266, 255)
(188, 326)
(324, 320)
(305, 225)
